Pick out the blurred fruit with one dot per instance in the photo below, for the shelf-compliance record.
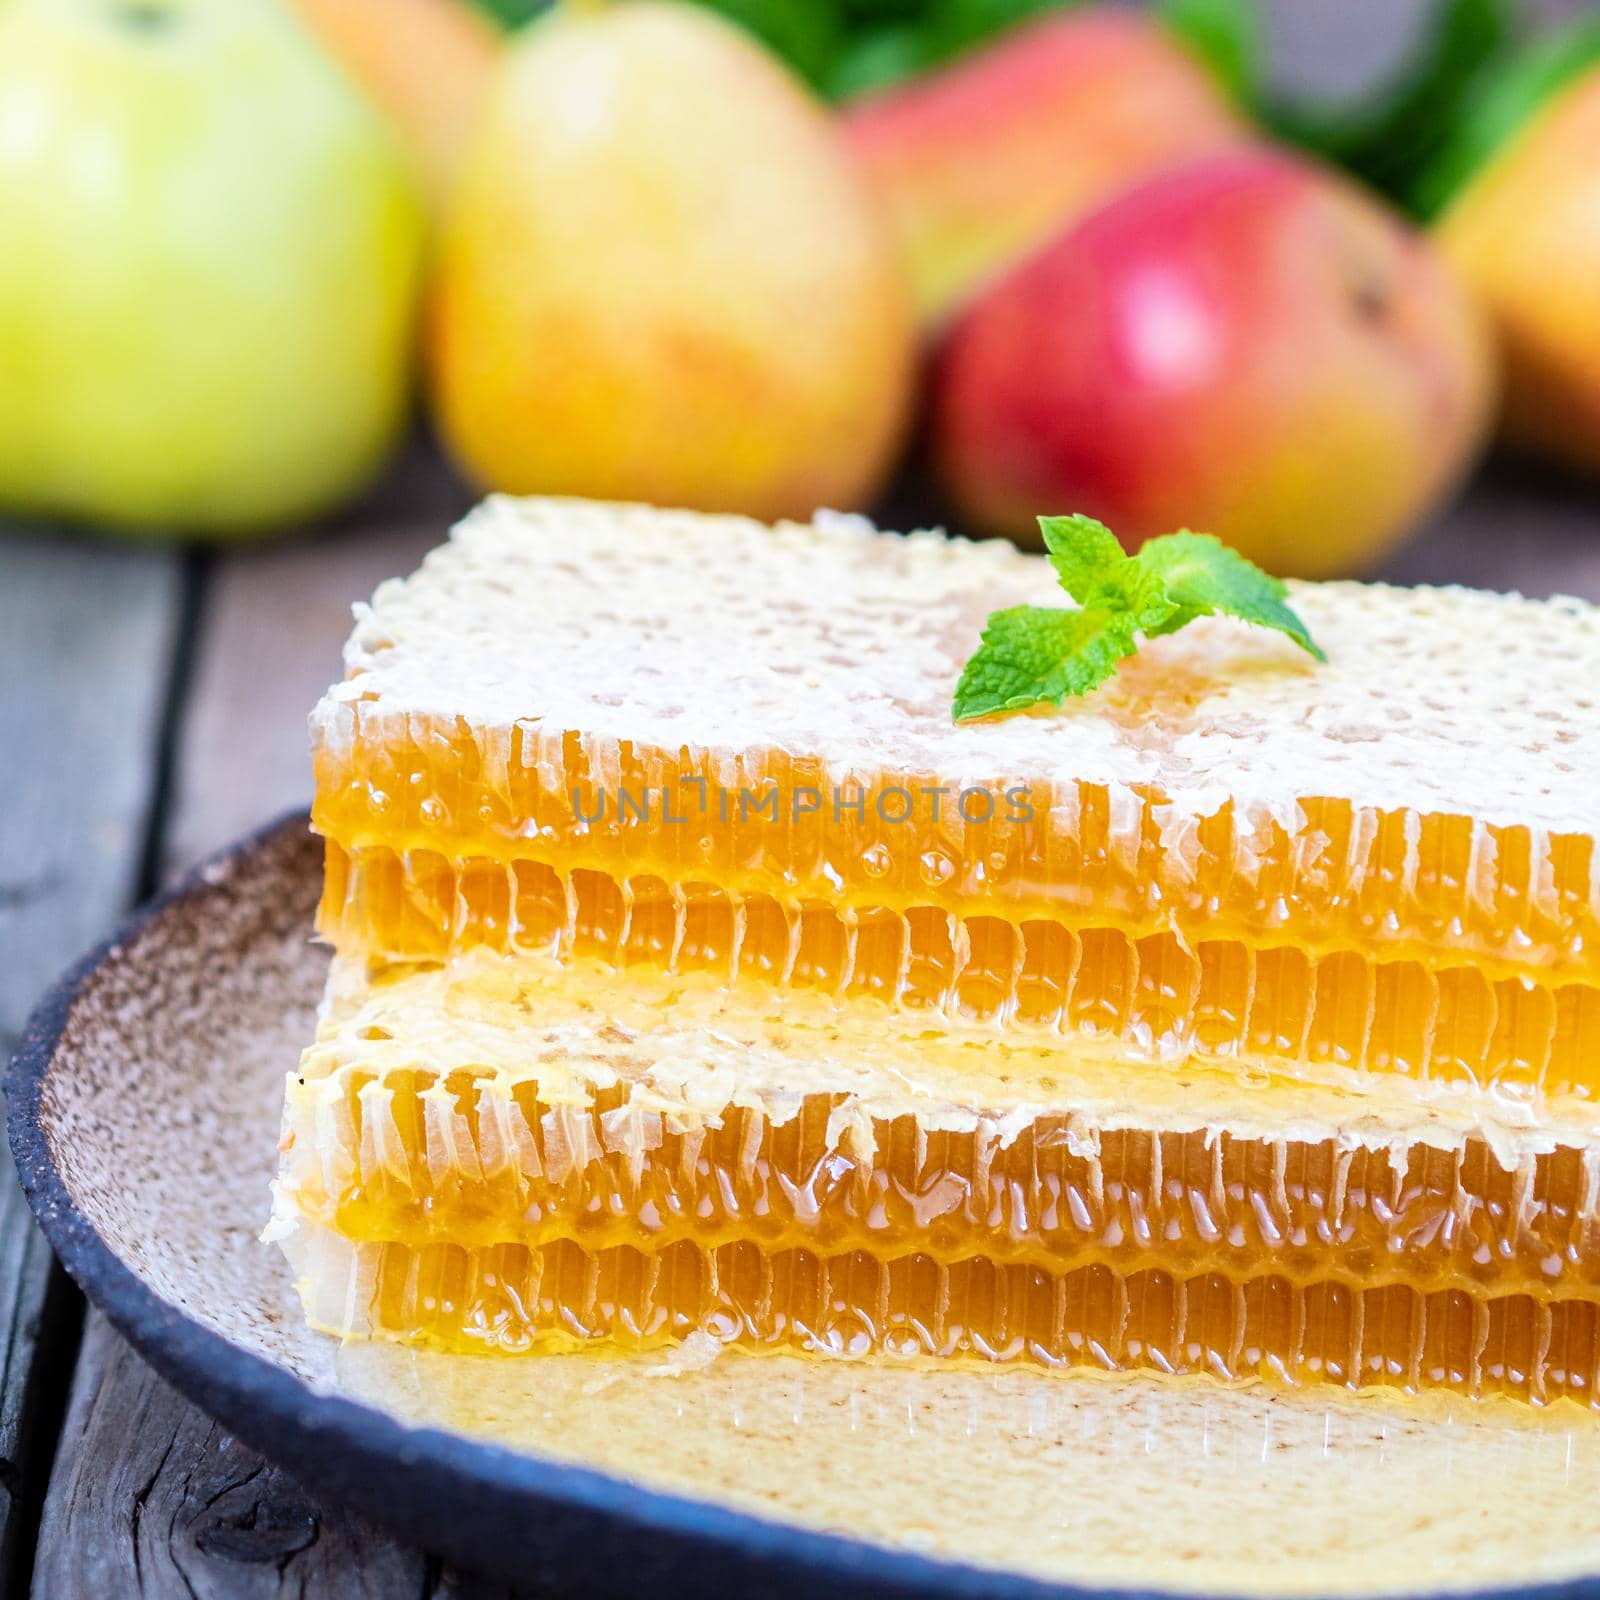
(209, 250)
(1525, 234)
(1247, 345)
(662, 278)
(983, 161)
(427, 64)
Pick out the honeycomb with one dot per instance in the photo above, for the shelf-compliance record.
(562, 1297)
(1249, 1030)
(1153, 997)
(525, 1153)
(1433, 888)
(482, 1162)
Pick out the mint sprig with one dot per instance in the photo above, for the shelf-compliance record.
(1041, 655)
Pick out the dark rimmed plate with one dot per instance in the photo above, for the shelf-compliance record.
(142, 1104)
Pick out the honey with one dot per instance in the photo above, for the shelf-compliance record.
(484, 1162)
(513, 1154)
(1118, 1480)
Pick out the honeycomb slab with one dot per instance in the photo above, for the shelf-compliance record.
(696, 977)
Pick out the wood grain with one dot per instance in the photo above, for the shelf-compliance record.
(86, 635)
(270, 640)
(153, 1499)
(149, 1496)
(40, 1313)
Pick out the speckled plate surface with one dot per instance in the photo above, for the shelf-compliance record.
(143, 1109)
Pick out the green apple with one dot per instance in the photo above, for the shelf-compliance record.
(210, 250)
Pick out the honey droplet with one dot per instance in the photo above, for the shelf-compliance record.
(876, 860)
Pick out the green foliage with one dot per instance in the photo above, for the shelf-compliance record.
(878, 43)
(512, 13)
(1036, 655)
(808, 35)
(875, 58)
(1518, 85)
(1476, 77)
(1389, 138)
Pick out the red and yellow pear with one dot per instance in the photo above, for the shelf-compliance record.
(982, 161)
(1525, 234)
(1247, 345)
(662, 278)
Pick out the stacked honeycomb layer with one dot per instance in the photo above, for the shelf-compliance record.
(1357, 923)
(1211, 990)
(507, 1157)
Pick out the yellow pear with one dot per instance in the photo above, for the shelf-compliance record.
(663, 279)
(1525, 234)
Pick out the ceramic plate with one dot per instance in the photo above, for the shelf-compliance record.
(143, 1113)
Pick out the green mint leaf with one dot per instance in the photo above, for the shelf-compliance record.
(1084, 554)
(1093, 568)
(1202, 577)
(1143, 595)
(1037, 655)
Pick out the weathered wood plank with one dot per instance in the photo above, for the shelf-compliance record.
(149, 1496)
(40, 1312)
(152, 1500)
(86, 639)
(274, 624)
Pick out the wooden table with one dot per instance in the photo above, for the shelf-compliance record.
(152, 707)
